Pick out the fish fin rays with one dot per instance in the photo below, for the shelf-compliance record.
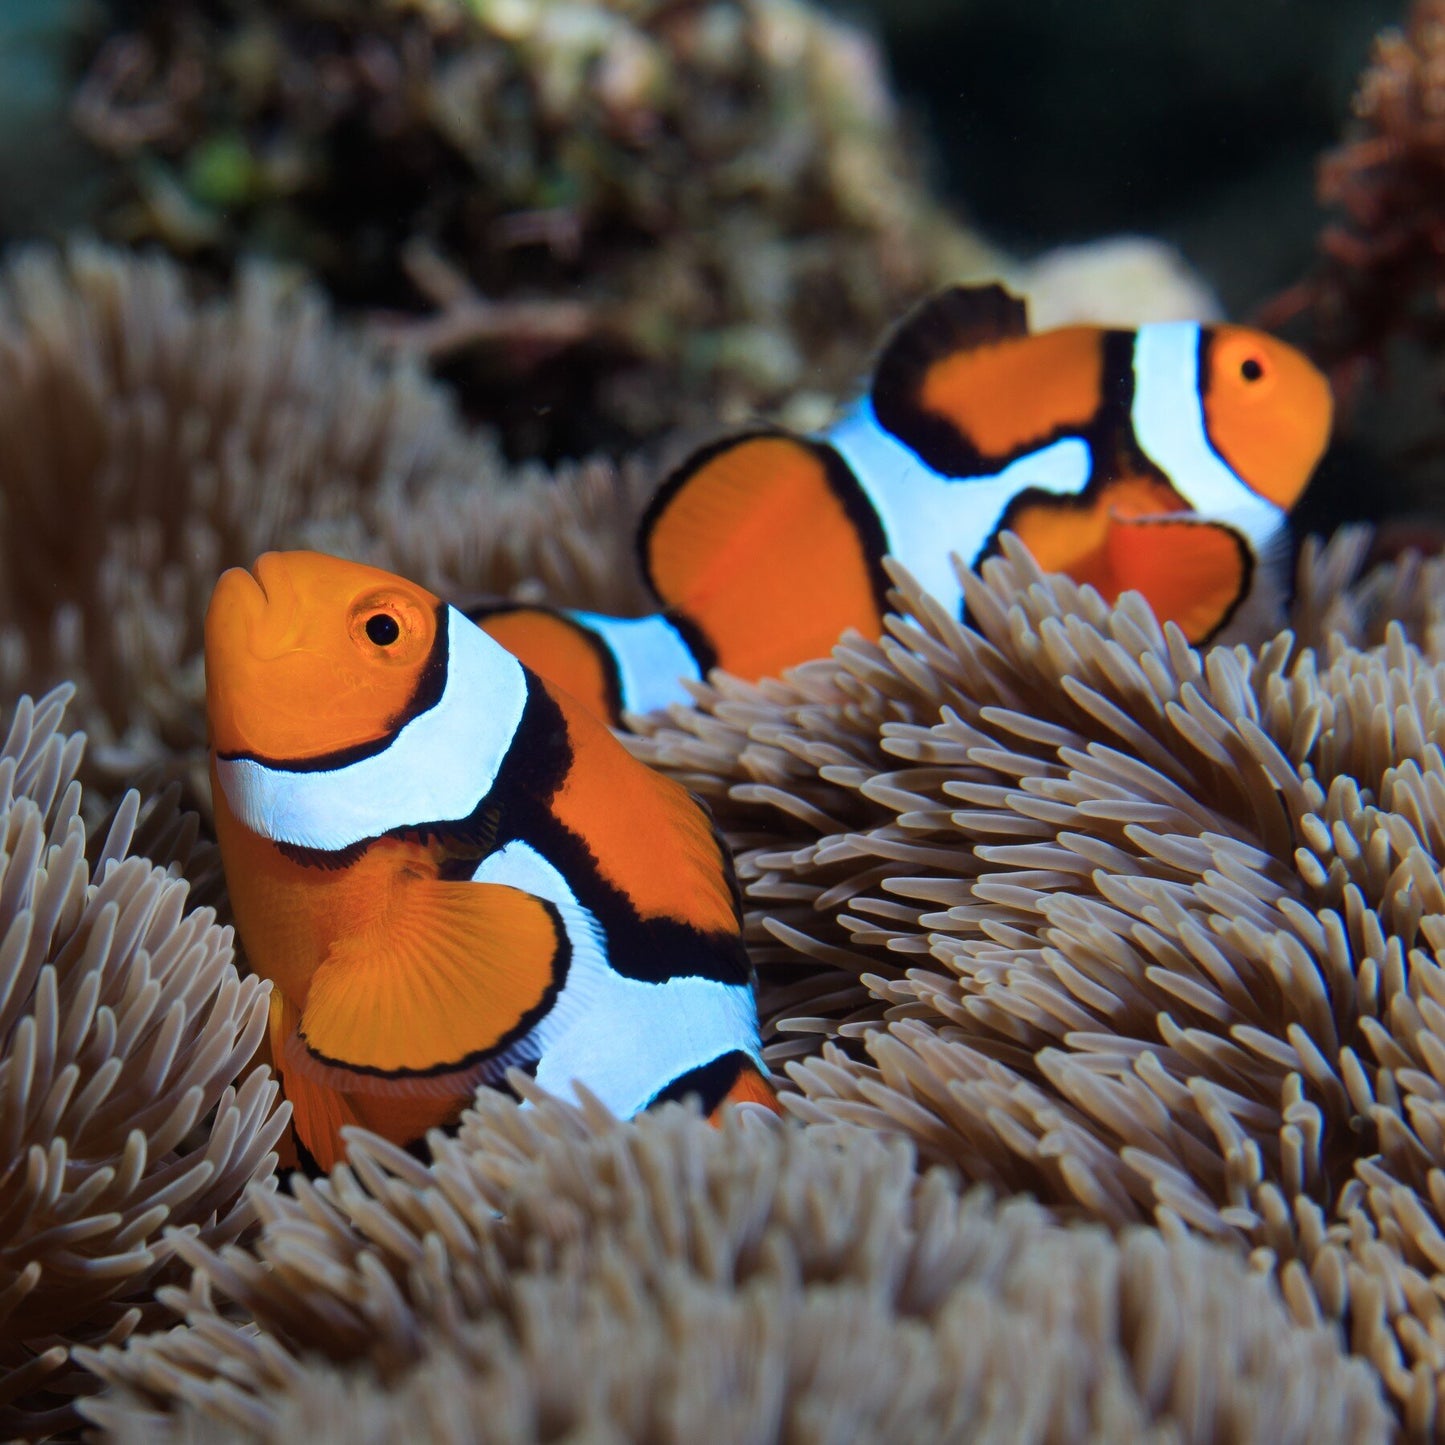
(719, 546)
(1192, 571)
(447, 975)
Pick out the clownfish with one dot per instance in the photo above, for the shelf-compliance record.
(448, 867)
(1163, 459)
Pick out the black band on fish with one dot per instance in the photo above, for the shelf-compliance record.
(709, 1083)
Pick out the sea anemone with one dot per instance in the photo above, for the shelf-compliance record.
(557, 1274)
(1051, 900)
(1147, 932)
(125, 1033)
(149, 439)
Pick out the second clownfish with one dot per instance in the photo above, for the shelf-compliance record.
(449, 867)
(1163, 460)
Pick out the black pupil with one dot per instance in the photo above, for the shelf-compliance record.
(1251, 370)
(382, 629)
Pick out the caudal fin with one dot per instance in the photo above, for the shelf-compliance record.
(767, 548)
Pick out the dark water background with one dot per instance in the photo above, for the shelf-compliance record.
(1055, 121)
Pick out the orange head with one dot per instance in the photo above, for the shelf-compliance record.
(308, 655)
(1267, 409)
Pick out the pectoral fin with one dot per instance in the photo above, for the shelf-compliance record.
(445, 976)
(1192, 572)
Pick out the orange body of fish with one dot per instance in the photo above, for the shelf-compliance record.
(448, 867)
(1163, 460)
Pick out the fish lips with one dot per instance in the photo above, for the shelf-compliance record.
(251, 621)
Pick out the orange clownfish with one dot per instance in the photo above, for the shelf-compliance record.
(448, 867)
(1164, 460)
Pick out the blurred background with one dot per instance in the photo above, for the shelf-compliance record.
(600, 221)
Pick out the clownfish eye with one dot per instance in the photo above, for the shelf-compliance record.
(1251, 368)
(382, 628)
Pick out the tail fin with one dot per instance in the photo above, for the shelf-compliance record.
(766, 548)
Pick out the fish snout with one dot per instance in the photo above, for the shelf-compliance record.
(257, 608)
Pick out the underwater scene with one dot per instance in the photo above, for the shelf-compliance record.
(722, 720)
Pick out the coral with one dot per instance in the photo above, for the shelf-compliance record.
(1115, 281)
(1149, 933)
(148, 439)
(610, 217)
(124, 1032)
(560, 1275)
(1380, 273)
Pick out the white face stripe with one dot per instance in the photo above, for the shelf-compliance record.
(436, 769)
(1168, 419)
(926, 516)
(651, 657)
(623, 1038)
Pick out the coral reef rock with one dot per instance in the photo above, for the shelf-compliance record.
(125, 1030)
(1372, 309)
(1381, 271)
(1148, 932)
(605, 217)
(559, 1275)
(1114, 281)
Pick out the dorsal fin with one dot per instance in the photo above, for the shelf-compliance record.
(720, 547)
(962, 318)
(954, 324)
(966, 387)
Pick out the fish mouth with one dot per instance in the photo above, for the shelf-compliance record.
(269, 573)
(255, 608)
